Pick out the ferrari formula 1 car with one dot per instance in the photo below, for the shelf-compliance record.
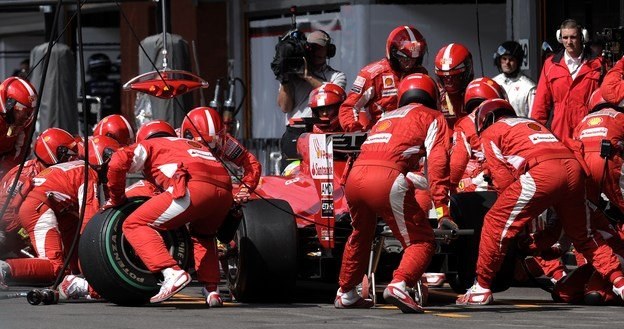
(294, 228)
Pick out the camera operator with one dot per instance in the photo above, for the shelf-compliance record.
(294, 92)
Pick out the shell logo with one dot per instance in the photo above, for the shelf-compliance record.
(388, 81)
(383, 125)
(45, 172)
(194, 144)
(594, 121)
(534, 126)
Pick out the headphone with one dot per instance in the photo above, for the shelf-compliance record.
(331, 48)
(583, 30)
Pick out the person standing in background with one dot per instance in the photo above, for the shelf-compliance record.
(293, 95)
(100, 85)
(23, 70)
(568, 79)
(520, 89)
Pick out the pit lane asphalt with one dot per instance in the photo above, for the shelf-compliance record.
(518, 307)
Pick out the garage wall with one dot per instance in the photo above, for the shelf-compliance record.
(19, 33)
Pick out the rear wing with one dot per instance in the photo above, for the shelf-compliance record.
(345, 144)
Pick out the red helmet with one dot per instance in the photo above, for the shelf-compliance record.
(453, 66)
(202, 124)
(326, 95)
(418, 88)
(55, 145)
(18, 98)
(491, 111)
(116, 127)
(101, 149)
(597, 102)
(327, 98)
(80, 143)
(405, 48)
(156, 128)
(481, 89)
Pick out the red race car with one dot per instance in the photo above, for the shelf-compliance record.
(294, 228)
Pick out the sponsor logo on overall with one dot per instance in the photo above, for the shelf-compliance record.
(541, 138)
(383, 125)
(594, 121)
(378, 138)
(358, 85)
(388, 81)
(594, 132)
(534, 126)
(194, 144)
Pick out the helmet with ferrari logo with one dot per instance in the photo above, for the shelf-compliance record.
(325, 102)
(202, 124)
(18, 99)
(54, 146)
(453, 67)
(405, 48)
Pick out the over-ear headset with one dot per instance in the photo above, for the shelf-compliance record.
(584, 32)
(331, 48)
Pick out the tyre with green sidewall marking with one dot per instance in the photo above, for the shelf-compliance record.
(111, 266)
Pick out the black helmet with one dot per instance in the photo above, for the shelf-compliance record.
(511, 48)
(99, 64)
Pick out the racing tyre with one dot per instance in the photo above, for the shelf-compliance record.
(111, 266)
(262, 259)
(468, 210)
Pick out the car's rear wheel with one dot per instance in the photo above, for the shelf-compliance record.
(262, 259)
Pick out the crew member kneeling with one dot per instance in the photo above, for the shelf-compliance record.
(531, 170)
(193, 181)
